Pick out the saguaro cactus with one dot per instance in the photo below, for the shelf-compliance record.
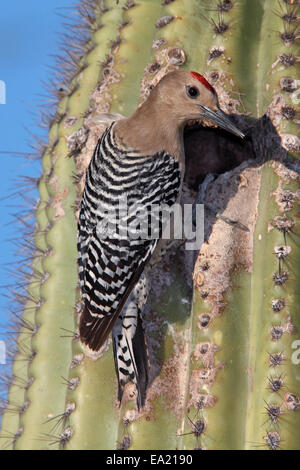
(224, 372)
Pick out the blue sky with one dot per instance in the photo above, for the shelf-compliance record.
(29, 37)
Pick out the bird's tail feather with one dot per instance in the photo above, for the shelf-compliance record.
(130, 347)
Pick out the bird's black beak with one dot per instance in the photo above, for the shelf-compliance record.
(221, 119)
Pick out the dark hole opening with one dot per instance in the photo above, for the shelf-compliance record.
(212, 150)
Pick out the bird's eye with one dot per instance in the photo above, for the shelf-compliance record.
(192, 91)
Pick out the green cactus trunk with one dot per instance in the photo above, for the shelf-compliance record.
(224, 368)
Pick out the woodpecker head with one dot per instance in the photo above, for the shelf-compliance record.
(188, 95)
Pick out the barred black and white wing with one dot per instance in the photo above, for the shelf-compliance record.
(110, 263)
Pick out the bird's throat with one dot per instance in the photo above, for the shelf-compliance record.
(150, 133)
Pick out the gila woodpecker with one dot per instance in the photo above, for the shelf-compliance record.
(139, 159)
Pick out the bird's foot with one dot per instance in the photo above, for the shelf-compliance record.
(200, 199)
